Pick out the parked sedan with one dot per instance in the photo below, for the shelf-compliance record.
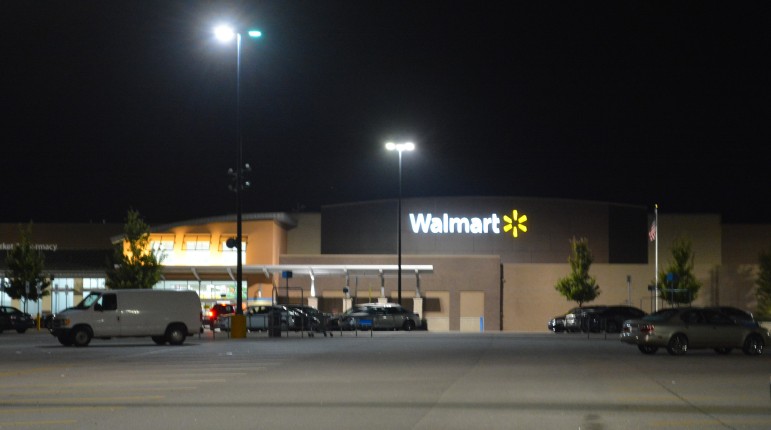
(380, 316)
(681, 329)
(14, 319)
(334, 322)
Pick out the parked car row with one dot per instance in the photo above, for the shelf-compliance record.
(722, 328)
(288, 318)
(594, 318)
(365, 316)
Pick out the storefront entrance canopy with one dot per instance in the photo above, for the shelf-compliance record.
(312, 270)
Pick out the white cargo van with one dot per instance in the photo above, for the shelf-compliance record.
(164, 316)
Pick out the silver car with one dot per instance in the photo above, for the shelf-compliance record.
(681, 329)
(379, 316)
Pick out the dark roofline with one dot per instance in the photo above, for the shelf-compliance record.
(486, 197)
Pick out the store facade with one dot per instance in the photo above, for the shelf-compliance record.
(468, 263)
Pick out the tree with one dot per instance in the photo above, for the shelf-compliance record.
(134, 263)
(763, 282)
(677, 284)
(26, 270)
(579, 286)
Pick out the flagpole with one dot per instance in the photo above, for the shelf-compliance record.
(656, 277)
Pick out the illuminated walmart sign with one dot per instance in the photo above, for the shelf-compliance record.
(445, 224)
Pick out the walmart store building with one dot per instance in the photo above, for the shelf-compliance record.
(468, 263)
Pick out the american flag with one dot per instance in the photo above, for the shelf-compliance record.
(652, 232)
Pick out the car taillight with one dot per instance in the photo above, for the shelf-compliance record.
(646, 328)
(210, 314)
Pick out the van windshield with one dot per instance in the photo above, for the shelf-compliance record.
(88, 301)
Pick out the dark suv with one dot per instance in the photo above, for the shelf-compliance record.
(557, 324)
(577, 319)
(610, 319)
(308, 318)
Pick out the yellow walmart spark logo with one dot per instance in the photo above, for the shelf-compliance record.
(515, 223)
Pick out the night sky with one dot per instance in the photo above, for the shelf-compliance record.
(112, 105)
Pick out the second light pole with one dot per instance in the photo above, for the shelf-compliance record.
(399, 147)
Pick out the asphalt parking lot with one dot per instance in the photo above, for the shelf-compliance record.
(382, 380)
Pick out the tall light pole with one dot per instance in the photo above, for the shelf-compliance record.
(399, 147)
(226, 33)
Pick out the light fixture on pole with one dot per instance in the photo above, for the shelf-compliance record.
(225, 34)
(399, 147)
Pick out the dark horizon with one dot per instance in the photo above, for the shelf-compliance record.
(132, 105)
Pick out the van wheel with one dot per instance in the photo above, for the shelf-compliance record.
(176, 334)
(81, 336)
(159, 340)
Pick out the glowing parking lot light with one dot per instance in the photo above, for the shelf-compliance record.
(399, 147)
(224, 33)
